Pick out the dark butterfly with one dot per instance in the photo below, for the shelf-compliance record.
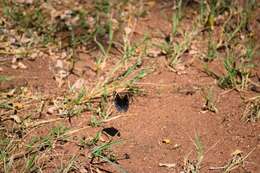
(121, 102)
(111, 131)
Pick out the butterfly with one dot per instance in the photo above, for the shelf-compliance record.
(111, 131)
(121, 102)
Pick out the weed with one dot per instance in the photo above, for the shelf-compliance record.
(237, 20)
(174, 51)
(212, 49)
(46, 142)
(252, 110)
(91, 141)
(210, 103)
(236, 161)
(70, 166)
(194, 166)
(30, 164)
(7, 146)
(209, 10)
(202, 12)
(176, 17)
(102, 152)
(237, 72)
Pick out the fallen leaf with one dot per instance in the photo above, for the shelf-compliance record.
(25, 1)
(21, 65)
(166, 141)
(16, 118)
(14, 66)
(176, 146)
(128, 30)
(236, 152)
(18, 106)
(168, 165)
(51, 110)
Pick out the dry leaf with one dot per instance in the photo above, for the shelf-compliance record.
(21, 65)
(236, 152)
(168, 165)
(16, 118)
(166, 141)
(51, 110)
(18, 106)
(14, 66)
(25, 1)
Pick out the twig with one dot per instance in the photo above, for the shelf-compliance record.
(34, 124)
(113, 118)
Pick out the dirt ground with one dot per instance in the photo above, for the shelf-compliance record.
(164, 127)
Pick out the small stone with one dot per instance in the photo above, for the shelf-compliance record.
(14, 60)
(51, 110)
(154, 53)
(33, 56)
(128, 30)
(59, 64)
(14, 66)
(21, 65)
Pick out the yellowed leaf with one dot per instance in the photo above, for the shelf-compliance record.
(166, 141)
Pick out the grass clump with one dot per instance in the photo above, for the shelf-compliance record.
(252, 110)
(237, 160)
(238, 70)
(194, 166)
(210, 104)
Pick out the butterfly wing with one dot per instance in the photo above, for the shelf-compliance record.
(121, 103)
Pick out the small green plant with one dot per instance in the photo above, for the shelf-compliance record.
(101, 112)
(195, 165)
(31, 164)
(46, 142)
(58, 132)
(69, 166)
(238, 70)
(91, 141)
(238, 20)
(174, 50)
(202, 11)
(209, 100)
(176, 18)
(209, 10)
(212, 49)
(102, 150)
(104, 153)
(230, 80)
